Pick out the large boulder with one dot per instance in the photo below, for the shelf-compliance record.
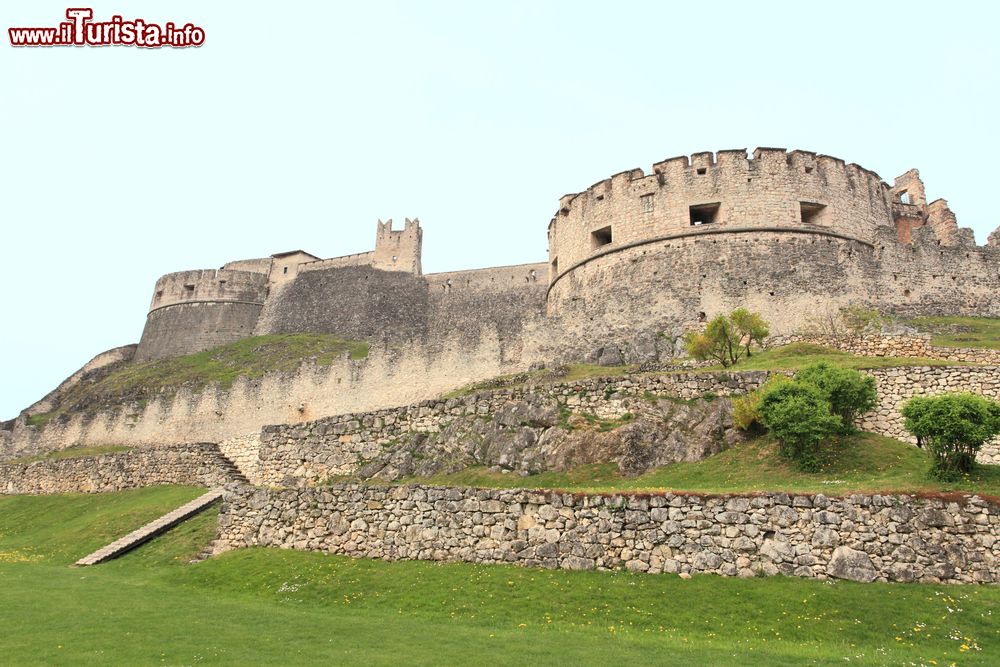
(848, 563)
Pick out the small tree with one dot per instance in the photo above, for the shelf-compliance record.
(954, 427)
(849, 392)
(799, 417)
(751, 328)
(727, 339)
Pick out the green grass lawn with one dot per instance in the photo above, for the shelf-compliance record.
(260, 606)
(797, 355)
(77, 452)
(864, 462)
(249, 357)
(961, 331)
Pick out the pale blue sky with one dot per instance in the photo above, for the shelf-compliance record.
(297, 125)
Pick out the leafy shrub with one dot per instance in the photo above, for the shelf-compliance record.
(746, 408)
(727, 338)
(799, 417)
(954, 427)
(849, 392)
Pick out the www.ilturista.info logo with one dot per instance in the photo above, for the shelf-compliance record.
(80, 30)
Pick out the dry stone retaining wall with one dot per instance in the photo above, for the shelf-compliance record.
(194, 465)
(863, 538)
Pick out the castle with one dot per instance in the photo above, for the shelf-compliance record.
(634, 261)
(779, 232)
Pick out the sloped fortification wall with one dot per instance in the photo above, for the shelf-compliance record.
(193, 465)
(864, 538)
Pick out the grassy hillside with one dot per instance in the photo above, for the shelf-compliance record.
(262, 606)
(961, 331)
(864, 462)
(797, 355)
(250, 357)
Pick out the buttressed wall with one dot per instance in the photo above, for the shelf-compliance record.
(783, 233)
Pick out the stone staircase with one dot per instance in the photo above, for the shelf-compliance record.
(152, 529)
(231, 470)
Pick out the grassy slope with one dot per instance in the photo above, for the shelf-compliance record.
(249, 357)
(262, 605)
(71, 453)
(863, 462)
(797, 355)
(961, 331)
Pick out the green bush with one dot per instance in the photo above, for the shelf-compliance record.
(727, 338)
(746, 407)
(849, 392)
(799, 417)
(954, 427)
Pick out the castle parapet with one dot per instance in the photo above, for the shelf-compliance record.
(773, 188)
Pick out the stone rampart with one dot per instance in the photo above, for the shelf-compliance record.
(863, 538)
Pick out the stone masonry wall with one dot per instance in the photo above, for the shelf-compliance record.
(312, 452)
(194, 465)
(863, 538)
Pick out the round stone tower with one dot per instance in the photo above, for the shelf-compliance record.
(778, 233)
(196, 310)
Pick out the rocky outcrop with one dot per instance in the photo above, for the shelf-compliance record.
(537, 433)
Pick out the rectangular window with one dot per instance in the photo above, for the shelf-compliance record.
(600, 237)
(904, 197)
(704, 214)
(647, 203)
(555, 268)
(812, 213)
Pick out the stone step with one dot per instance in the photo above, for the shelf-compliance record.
(151, 529)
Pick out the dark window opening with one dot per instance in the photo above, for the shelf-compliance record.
(159, 294)
(189, 288)
(702, 171)
(704, 214)
(555, 267)
(809, 170)
(812, 213)
(702, 316)
(285, 270)
(600, 237)
(600, 197)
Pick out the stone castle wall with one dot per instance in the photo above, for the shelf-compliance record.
(191, 465)
(387, 377)
(864, 538)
